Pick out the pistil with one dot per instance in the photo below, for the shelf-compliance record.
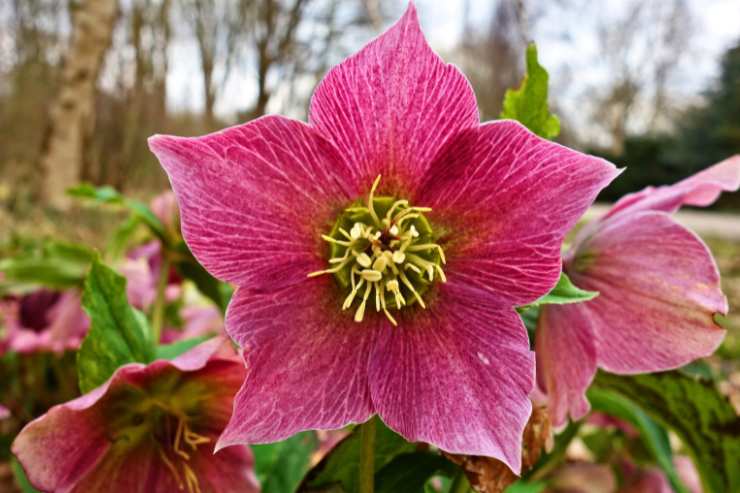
(383, 253)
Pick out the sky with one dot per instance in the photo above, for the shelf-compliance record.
(566, 45)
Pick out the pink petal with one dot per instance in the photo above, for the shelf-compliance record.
(659, 289)
(253, 197)
(306, 360)
(566, 360)
(391, 107)
(507, 198)
(457, 375)
(701, 189)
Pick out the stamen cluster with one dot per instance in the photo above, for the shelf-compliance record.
(383, 249)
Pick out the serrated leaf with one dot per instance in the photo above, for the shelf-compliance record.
(341, 465)
(281, 466)
(528, 104)
(410, 472)
(702, 418)
(118, 333)
(652, 434)
(175, 349)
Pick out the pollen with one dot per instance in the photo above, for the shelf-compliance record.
(383, 253)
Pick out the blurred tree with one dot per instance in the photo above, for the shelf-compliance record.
(710, 132)
(640, 49)
(494, 60)
(72, 114)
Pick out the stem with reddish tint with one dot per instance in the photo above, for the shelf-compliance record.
(367, 456)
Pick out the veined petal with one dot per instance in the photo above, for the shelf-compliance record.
(659, 290)
(508, 198)
(457, 375)
(306, 363)
(253, 197)
(392, 106)
(566, 359)
(701, 189)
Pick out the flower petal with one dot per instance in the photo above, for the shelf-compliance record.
(457, 375)
(507, 198)
(306, 363)
(392, 106)
(252, 198)
(701, 189)
(659, 289)
(566, 360)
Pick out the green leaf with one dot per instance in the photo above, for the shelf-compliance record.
(280, 466)
(56, 265)
(172, 351)
(109, 195)
(528, 104)
(563, 293)
(21, 480)
(341, 465)
(118, 334)
(700, 416)
(652, 434)
(410, 472)
(122, 236)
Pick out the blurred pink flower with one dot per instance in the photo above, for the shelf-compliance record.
(44, 320)
(149, 427)
(142, 268)
(659, 291)
(256, 198)
(4, 412)
(197, 321)
(164, 206)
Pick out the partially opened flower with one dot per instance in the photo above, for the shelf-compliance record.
(379, 251)
(658, 290)
(44, 320)
(150, 426)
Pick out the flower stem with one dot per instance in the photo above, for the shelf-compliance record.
(159, 300)
(367, 456)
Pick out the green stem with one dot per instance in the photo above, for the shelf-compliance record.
(367, 456)
(160, 301)
(460, 484)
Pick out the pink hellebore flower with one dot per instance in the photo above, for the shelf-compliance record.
(148, 428)
(45, 320)
(343, 307)
(142, 269)
(659, 290)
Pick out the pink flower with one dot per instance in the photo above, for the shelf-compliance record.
(265, 204)
(198, 321)
(164, 206)
(44, 320)
(659, 290)
(142, 268)
(4, 412)
(150, 426)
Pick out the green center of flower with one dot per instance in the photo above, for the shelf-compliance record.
(161, 417)
(383, 253)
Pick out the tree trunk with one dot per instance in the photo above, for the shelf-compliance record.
(72, 113)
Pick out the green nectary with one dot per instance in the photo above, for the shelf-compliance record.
(383, 252)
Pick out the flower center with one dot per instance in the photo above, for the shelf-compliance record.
(161, 417)
(383, 252)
